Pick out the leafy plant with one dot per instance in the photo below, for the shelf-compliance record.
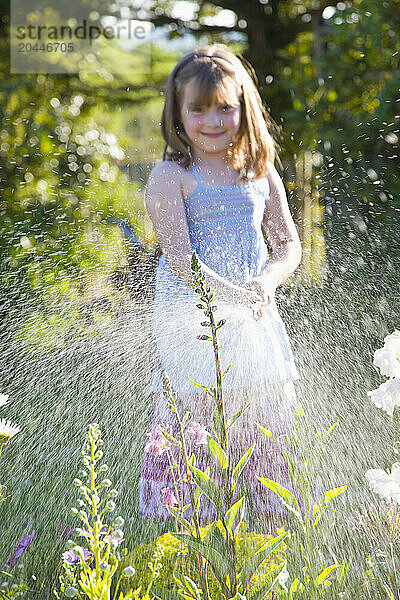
(305, 541)
(175, 558)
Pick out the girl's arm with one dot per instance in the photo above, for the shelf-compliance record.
(283, 238)
(165, 205)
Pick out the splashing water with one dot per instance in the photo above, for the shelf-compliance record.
(334, 329)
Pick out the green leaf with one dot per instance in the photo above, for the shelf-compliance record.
(326, 572)
(262, 592)
(295, 587)
(319, 507)
(208, 488)
(238, 414)
(171, 438)
(177, 514)
(329, 432)
(218, 452)
(201, 387)
(185, 596)
(287, 499)
(192, 587)
(226, 370)
(255, 561)
(330, 494)
(316, 513)
(215, 536)
(234, 516)
(269, 434)
(240, 466)
(198, 385)
(215, 558)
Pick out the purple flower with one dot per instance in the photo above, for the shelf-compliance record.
(72, 558)
(168, 497)
(158, 443)
(22, 544)
(196, 434)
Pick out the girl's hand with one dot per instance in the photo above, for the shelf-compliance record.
(265, 289)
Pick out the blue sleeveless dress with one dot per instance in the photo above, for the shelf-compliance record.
(224, 225)
(225, 231)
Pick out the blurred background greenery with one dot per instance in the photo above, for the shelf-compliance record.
(75, 151)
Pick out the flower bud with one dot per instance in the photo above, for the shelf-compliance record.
(74, 510)
(128, 572)
(110, 505)
(77, 481)
(113, 493)
(118, 533)
(103, 469)
(118, 522)
(105, 483)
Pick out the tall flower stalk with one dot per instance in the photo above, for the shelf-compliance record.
(89, 566)
(217, 549)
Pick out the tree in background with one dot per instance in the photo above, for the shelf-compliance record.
(65, 147)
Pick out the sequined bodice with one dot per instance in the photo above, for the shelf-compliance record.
(225, 227)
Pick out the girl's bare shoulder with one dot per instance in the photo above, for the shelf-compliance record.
(169, 174)
(166, 173)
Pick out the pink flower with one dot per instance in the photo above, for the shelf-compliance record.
(73, 558)
(113, 540)
(196, 434)
(168, 497)
(158, 443)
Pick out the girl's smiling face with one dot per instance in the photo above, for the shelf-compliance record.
(211, 128)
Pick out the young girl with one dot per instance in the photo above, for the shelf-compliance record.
(215, 192)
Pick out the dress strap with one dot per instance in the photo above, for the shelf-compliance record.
(196, 174)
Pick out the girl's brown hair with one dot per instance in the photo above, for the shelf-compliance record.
(210, 67)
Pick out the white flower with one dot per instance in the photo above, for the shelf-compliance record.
(387, 396)
(283, 577)
(3, 399)
(8, 429)
(392, 342)
(387, 485)
(388, 362)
